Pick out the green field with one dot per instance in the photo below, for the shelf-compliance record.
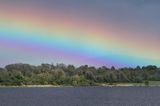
(150, 83)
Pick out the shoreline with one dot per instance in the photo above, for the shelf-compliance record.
(33, 86)
(58, 86)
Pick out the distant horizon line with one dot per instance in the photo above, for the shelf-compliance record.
(76, 66)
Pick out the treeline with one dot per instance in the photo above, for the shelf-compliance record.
(60, 74)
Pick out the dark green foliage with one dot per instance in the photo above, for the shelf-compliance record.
(146, 83)
(60, 74)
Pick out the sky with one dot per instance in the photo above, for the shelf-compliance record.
(120, 33)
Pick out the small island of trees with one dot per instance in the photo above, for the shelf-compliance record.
(69, 75)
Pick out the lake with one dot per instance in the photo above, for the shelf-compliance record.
(80, 96)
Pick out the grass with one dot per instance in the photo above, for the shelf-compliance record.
(154, 83)
(150, 83)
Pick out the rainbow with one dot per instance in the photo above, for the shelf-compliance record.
(53, 36)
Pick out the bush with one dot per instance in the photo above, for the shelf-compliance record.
(146, 83)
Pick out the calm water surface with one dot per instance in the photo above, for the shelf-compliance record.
(81, 96)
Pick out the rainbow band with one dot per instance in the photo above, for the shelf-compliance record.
(71, 41)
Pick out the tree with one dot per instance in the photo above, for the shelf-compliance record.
(112, 78)
(61, 74)
(89, 75)
(138, 68)
(113, 68)
(71, 70)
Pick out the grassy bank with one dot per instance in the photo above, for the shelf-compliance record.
(150, 84)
